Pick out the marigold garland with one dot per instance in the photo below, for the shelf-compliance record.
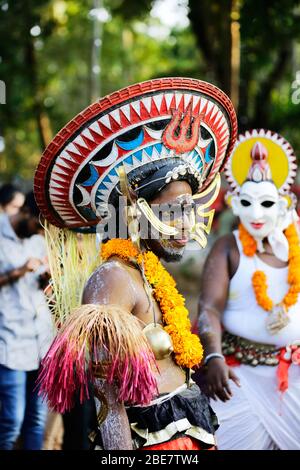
(259, 278)
(248, 242)
(187, 346)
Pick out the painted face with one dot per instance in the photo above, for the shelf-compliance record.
(259, 206)
(176, 203)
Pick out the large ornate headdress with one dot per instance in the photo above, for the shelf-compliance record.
(157, 131)
(262, 155)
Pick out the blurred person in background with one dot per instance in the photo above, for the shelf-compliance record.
(26, 328)
(11, 199)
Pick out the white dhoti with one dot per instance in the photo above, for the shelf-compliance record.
(258, 416)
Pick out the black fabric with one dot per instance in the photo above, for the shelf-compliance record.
(151, 187)
(79, 422)
(191, 404)
(148, 174)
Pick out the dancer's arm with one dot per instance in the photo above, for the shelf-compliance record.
(214, 293)
(110, 285)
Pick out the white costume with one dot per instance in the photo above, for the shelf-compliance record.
(259, 416)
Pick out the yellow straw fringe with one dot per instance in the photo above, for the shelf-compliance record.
(72, 259)
(106, 328)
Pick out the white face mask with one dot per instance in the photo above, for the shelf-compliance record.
(259, 208)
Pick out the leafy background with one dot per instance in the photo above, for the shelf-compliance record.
(47, 62)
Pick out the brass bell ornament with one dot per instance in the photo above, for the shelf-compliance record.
(159, 340)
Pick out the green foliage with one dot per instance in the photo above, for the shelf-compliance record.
(48, 77)
(55, 84)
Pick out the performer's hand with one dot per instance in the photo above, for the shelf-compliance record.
(217, 380)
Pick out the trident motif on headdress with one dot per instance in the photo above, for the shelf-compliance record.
(182, 133)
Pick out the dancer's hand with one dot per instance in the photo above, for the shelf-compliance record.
(217, 377)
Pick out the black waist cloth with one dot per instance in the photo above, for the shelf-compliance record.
(191, 404)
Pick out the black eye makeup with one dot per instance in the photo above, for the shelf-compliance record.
(268, 203)
(245, 203)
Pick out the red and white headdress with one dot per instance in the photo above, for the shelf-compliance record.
(187, 126)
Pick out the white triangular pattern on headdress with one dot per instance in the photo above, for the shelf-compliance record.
(222, 126)
(57, 198)
(219, 117)
(135, 162)
(126, 110)
(56, 177)
(147, 103)
(79, 140)
(54, 192)
(116, 115)
(214, 113)
(74, 149)
(63, 163)
(187, 99)
(53, 184)
(209, 107)
(145, 157)
(87, 134)
(178, 97)
(155, 154)
(114, 179)
(128, 167)
(137, 107)
(157, 100)
(59, 170)
(105, 121)
(95, 127)
(196, 100)
(202, 104)
(168, 98)
(58, 205)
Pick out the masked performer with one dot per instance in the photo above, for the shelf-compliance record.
(250, 294)
(162, 144)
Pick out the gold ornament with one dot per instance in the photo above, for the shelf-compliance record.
(205, 200)
(159, 340)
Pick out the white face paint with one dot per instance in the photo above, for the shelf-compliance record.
(259, 207)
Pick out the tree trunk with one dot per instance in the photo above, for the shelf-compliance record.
(211, 24)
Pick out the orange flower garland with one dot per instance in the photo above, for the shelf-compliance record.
(259, 279)
(248, 242)
(187, 347)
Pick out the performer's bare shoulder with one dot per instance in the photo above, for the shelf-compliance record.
(117, 282)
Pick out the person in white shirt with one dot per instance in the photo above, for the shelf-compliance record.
(26, 328)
